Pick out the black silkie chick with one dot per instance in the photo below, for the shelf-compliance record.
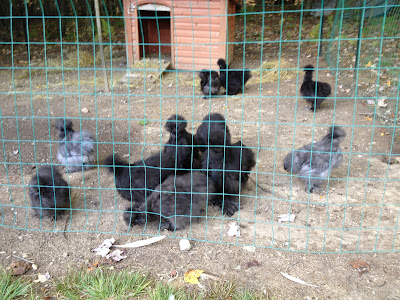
(228, 166)
(209, 83)
(232, 81)
(76, 149)
(178, 200)
(181, 144)
(136, 182)
(314, 162)
(211, 123)
(49, 193)
(309, 87)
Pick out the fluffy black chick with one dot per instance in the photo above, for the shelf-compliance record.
(49, 193)
(178, 200)
(181, 144)
(228, 165)
(137, 181)
(312, 91)
(232, 81)
(211, 123)
(209, 83)
(76, 149)
(314, 162)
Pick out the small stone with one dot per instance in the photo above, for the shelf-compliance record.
(85, 110)
(250, 248)
(184, 245)
(65, 254)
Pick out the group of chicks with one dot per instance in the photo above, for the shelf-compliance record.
(176, 183)
(232, 81)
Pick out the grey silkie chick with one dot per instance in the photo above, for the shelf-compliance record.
(182, 198)
(314, 166)
(49, 193)
(76, 149)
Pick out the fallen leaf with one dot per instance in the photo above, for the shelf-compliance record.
(368, 118)
(361, 266)
(173, 275)
(116, 255)
(253, 263)
(92, 266)
(19, 267)
(382, 102)
(368, 64)
(297, 280)
(192, 276)
(104, 248)
(388, 83)
(43, 277)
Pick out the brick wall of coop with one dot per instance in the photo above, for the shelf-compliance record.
(200, 32)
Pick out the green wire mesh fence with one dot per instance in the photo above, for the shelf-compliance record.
(52, 67)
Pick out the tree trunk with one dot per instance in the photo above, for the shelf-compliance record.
(99, 34)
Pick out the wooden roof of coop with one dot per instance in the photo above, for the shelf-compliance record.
(194, 34)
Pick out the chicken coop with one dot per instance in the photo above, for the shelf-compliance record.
(191, 34)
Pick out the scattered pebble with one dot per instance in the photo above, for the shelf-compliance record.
(184, 245)
(233, 229)
(286, 218)
(250, 248)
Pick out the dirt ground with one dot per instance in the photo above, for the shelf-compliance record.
(358, 215)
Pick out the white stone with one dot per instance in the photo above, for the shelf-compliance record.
(184, 245)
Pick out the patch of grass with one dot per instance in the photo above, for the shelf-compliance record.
(71, 62)
(230, 290)
(109, 284)
(164, 291)
(54, 65)
(221, 290)
(103, 284)
(271, 71)
(13, 287)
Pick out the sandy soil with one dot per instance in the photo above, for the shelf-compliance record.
(357, 213)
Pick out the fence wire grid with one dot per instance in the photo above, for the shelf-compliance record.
(124, 77)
